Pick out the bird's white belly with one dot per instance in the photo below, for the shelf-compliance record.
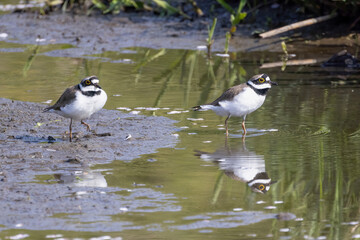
(243, 104)
(217, 109)
(84, 106)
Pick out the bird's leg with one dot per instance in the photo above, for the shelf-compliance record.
(243, 126)
(243, 139)
(87, 125)
(70, 130)
(226, 125)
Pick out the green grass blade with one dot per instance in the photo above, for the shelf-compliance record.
(31, 59)
(218, 187)
(170, 9)
(211, 31)
(166, 6)
(241, 6)
(98, 4)
(227, 36)
(226, 6)
(239, 14)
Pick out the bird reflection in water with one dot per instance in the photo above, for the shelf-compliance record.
(87, 178)
(242, 165)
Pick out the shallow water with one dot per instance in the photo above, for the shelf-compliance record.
(306, 137)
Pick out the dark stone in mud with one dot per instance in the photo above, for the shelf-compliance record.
(342, 59)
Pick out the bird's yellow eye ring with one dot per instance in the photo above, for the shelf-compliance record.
(87, 82)
(261, 187)
(261, 80)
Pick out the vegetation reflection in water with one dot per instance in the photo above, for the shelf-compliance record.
(305, 136)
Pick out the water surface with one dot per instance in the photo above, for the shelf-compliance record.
(306, 138)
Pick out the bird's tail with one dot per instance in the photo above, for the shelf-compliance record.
(197, 108)
(47, 109)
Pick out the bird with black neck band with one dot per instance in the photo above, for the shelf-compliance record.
(79, 102)
(240, 100)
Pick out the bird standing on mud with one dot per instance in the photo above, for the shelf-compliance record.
(240, 100)
(80, 101)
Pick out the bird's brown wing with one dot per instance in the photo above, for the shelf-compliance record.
(66, 98)
(229, 94)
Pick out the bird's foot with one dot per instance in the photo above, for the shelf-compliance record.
(88, 128)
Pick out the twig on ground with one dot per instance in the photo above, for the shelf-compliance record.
(296, 25)
(354, 23)
(290, 63)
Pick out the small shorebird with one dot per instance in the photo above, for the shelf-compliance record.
(240, 100)
(80, 101)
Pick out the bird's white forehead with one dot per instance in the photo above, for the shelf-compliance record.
(95, 81)
(267, 78)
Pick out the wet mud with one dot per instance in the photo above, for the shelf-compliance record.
(91, 35)
(31, 139)
(45, 174)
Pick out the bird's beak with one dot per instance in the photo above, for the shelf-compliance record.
(97, 85)
(274, 83)
(272, 182)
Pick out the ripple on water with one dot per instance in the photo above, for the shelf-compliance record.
(11, 50)
(224, 220)
(252, 132)
(97, 209)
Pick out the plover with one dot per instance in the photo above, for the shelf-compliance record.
(80, 101)
(240, 100)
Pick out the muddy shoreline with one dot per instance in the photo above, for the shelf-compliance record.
(92, 35)
(89, 35)
(71, 186)
(27, 139)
